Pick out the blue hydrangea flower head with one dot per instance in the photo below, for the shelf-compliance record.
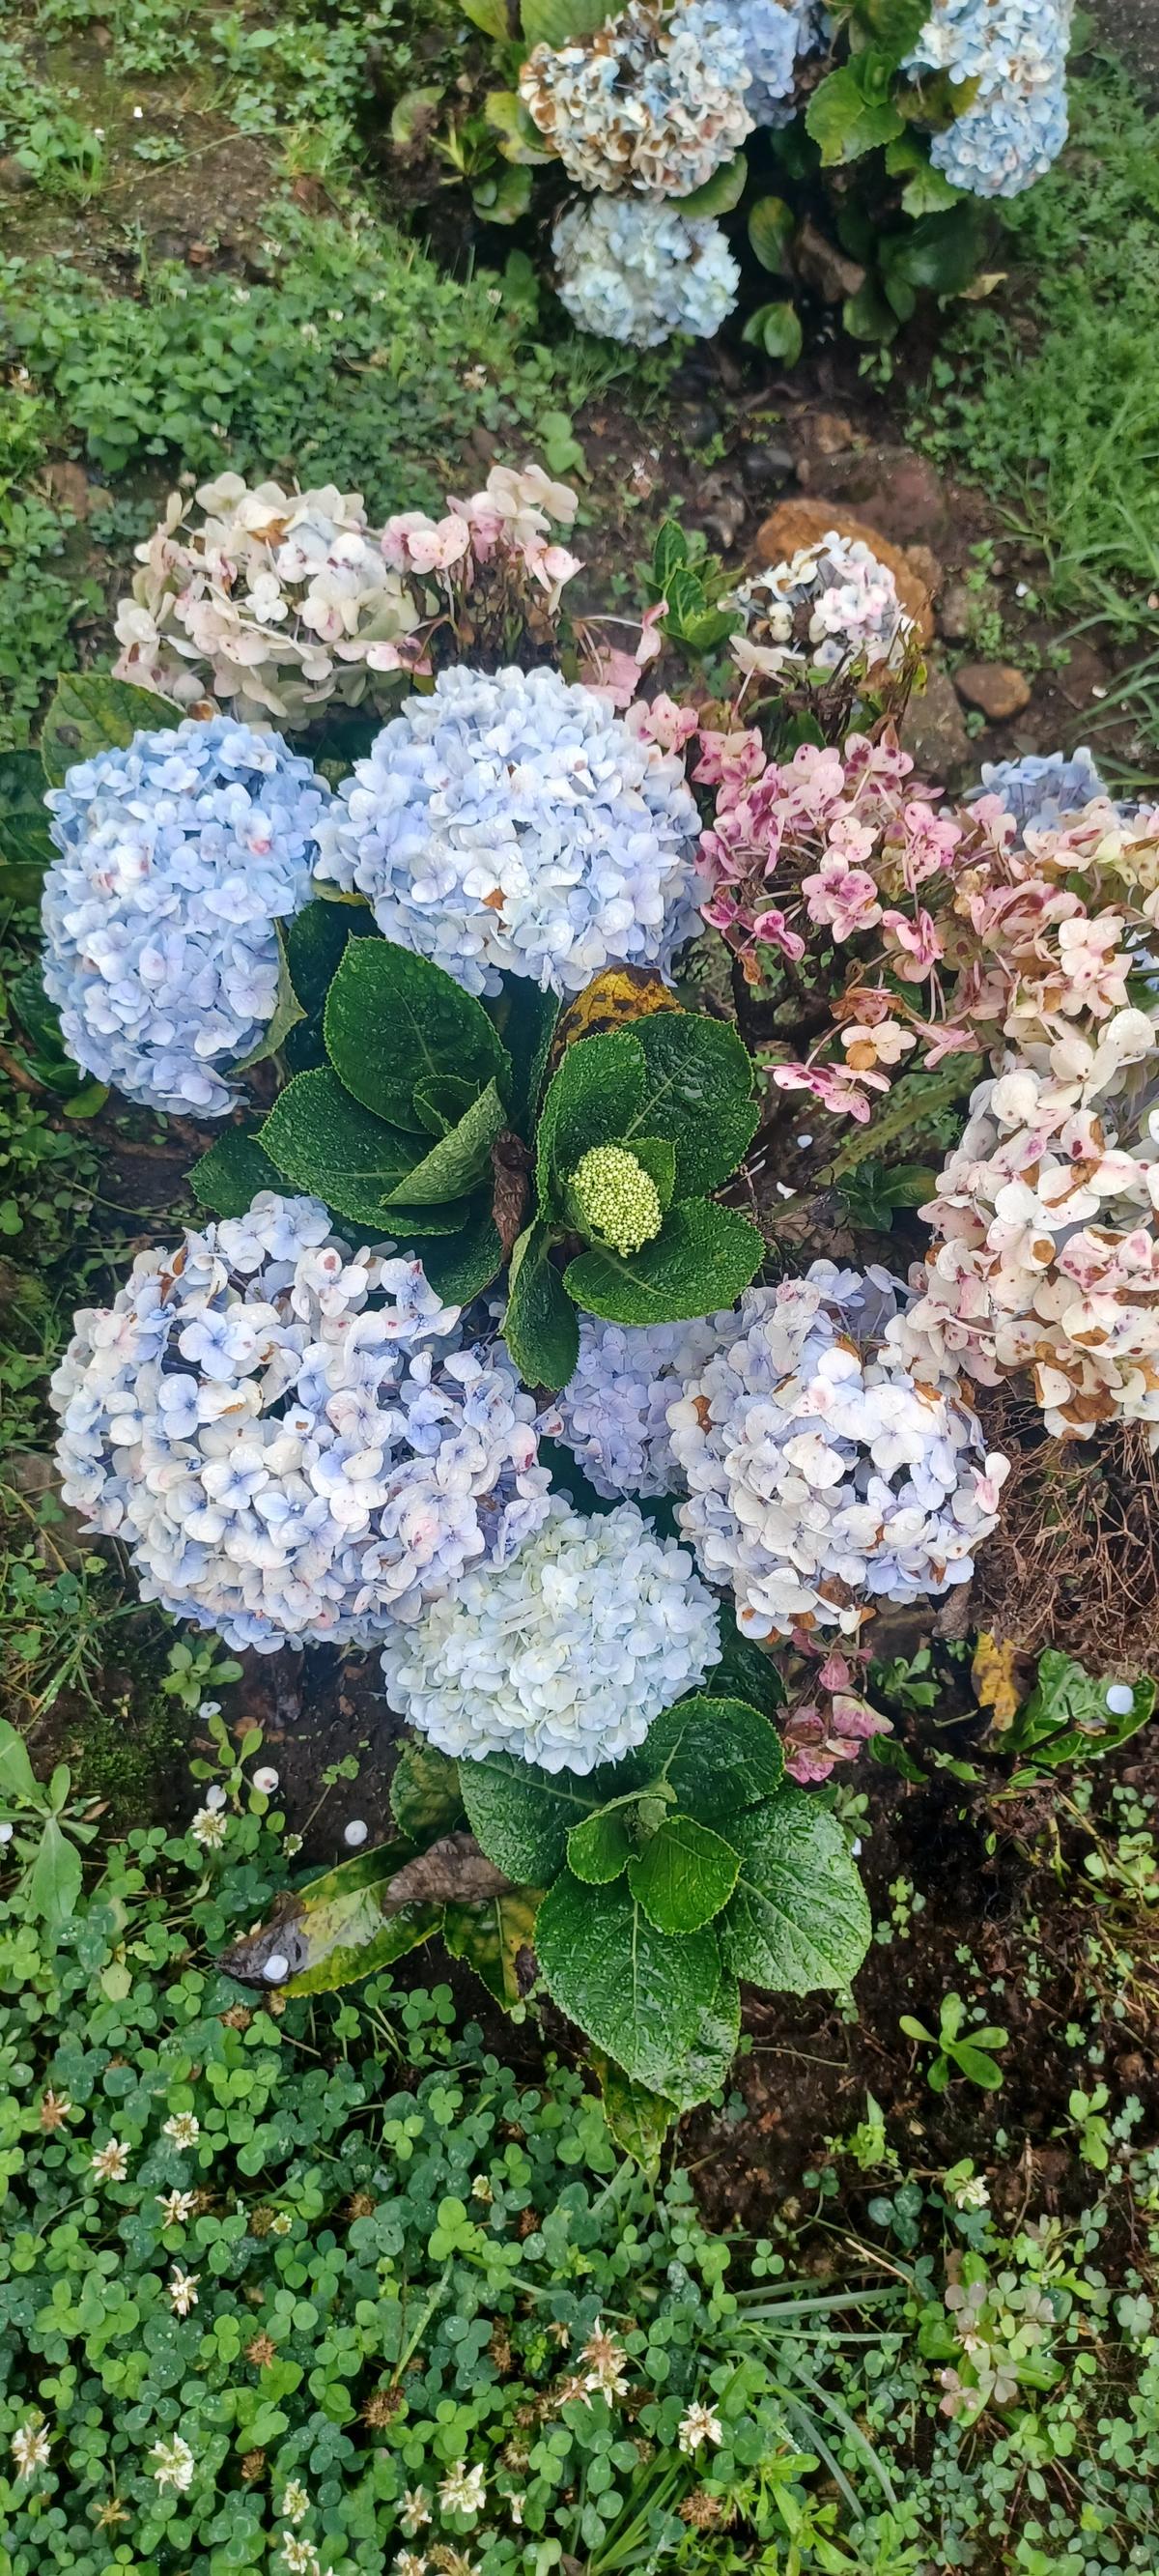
(774, 35)
(1043, 788)
(178, 855)
(636, 269)
(613, 1412)
(1015, 126)
(511, 821)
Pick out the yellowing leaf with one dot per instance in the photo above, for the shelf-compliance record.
(609, 1002)
(993, 1676)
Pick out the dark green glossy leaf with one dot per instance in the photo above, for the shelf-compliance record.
(592, 1099)
(746, 1670)
(286, 1015)
(601, 1847)
(539, 1327)
(492, 1936)
(324, 1141)
(25, 847)
(719, 1755)
(684, 1874)
(706, 2067)
(698, 1092)
(521, 1816)
(799, 1919)
(440, 1105)
(637, 1992)
(526, 1019)
(91, 713)
(316, 943)
(657, 1154)
(701, 1259)
(461, 1265)
(227, 1179)
(425, 1797)
(393, 1020)
(459, 1161)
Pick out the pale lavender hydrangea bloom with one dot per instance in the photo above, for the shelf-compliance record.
(564, 1656)
(1016, 125)
(774, 35)
(177, 857)
(1042, 789)
(293, 1438)
(613, 1412)
(635, 269)
(819, 1470)
(511, 821)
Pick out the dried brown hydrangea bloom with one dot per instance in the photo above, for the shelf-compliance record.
(654, 100)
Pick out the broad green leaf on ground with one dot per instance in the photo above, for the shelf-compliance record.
(637, 1992)
(539, 1326)
(338, 1928)
(776, 328)
(17, 1777)
(286, 1014)
(322, 1140)
(395, 1020)
(425, 1797)
(521, 1816)
(25, 848)
(713, 2049)
(491, 1935)
(601, 1847)
(460, 1266)
(684, 1874)
(592, 1099)
(702, 1258)
(1066, 1718)
(698, 1093)
(719, 1755)
(771, 227)
(799, 1919)
(92, 713)
(639, 2120)
(460, 1160)
(227, 1179)
(54, 1880)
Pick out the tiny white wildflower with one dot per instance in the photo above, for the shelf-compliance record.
(183, 2292)
(698, 2424)
(29, 2446)
(416, 2510)
(110, 2163)
(295, 2503)
(281, 2224)
(972, 2193)
(208, 1828)
(462, 2490)
(299, 2557)
(176, 2207)
(172, 2464)
(182, 2128)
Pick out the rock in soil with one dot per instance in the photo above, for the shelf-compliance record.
(895, 488)
(803, 523)
(956, 614)
(996, 687)
(934, 731)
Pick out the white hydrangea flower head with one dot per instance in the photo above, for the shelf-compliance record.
(1014, 52)
(635, 269)
(565, 1655)
(1046, 1251)
(820, 1472)
(654, 100)
(828, 604)
(271, 604)
(295, 1440)
(178, 855)
(510, 821)
(613, 1412)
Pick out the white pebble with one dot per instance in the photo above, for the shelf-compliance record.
(266, 1780)
(215, 1797)
(277, 1966)
(6, 1833)
(355, 1832)
(1120, 1699)
(803, 1141)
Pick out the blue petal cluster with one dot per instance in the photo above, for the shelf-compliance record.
(613, 1412)
(1016, 125)
(774, 34)
(1043, 788)
(295, 1439)
(177, 857)
(509, 821)
(633, 268)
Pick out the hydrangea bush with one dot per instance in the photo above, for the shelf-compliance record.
(1009, 58)
(636, 269)
(654, 100)
(178, 856)
(613, 1412)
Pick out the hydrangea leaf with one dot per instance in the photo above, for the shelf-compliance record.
(25, 847)
(539, 1327)
(227, 1179)
(286, 1014)
(843, 116)
(593, 1098)
(526, 1019)
(722, 192)
(638, 2119)
(440, 1105)
(522, 1816)
(746, 1670)
(561, 22)
(639, 1993)
(698, 1093)
(684, 1874)
(601, 1847)
(458, 1161)
(425, 1797)
(323, 1141)
(393, 1020)
(492, 1936)
(706, 2067)
(799, 1919)
(771, 227)
(719, 1755)
(339, 1928)
(316, 940)
(463, 1265)
(92, 713)
(702, 1258)
(658, 1156)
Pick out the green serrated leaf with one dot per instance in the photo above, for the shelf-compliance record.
(702, 1258)
(227, 1179)
(637, 2119)
(25, 847)
(684, 1874)
(706, 2067)
(521, 1816)
(315, 943)
(844, 120)
(324, 1141)
(638, 1993)
(722, 192)
(459, 1161)
(394, 1020)
(525, 1019)
(719, 1755)
(286, 1015)
(491, 1936)
(504, 195)
(462, 1265)
(746, 1670)
(440, 1105)
(600, 1847)
(772, 225)
(592, 1099)
(894, 24)
(669, 554)
(697, 1092)
(92, 713)
(491, 16)
(539, 1327)
(561, 22)
(425, 1797)
(799, 1919)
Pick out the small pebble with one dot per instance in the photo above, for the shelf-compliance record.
(803, 1141)
(215, 1797)
(6, 1833)
(277, 1966)
(266, 1780)
(1120, 1699)
(355, 1832)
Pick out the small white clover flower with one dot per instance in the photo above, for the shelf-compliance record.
(178, 856)
(563, 1657)
(281, 2224)
(635, 269)
(410, 2563)
(654, 100)
(463, 2490)
(295, 2504)
(293, 1440)
(30, 2446)
(182, 2291)
(698, 2425)
(416, 2510)
(182, 2128)
(209, 1828)
(299, 2557)
(821, 1473)
(172, 2464)
(176, 2207)
(110, 2163)
(972, 2193)
(607, 2363)
(510, 822)
(613, 1412)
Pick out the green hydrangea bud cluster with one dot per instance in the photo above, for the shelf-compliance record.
(615, 1198)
